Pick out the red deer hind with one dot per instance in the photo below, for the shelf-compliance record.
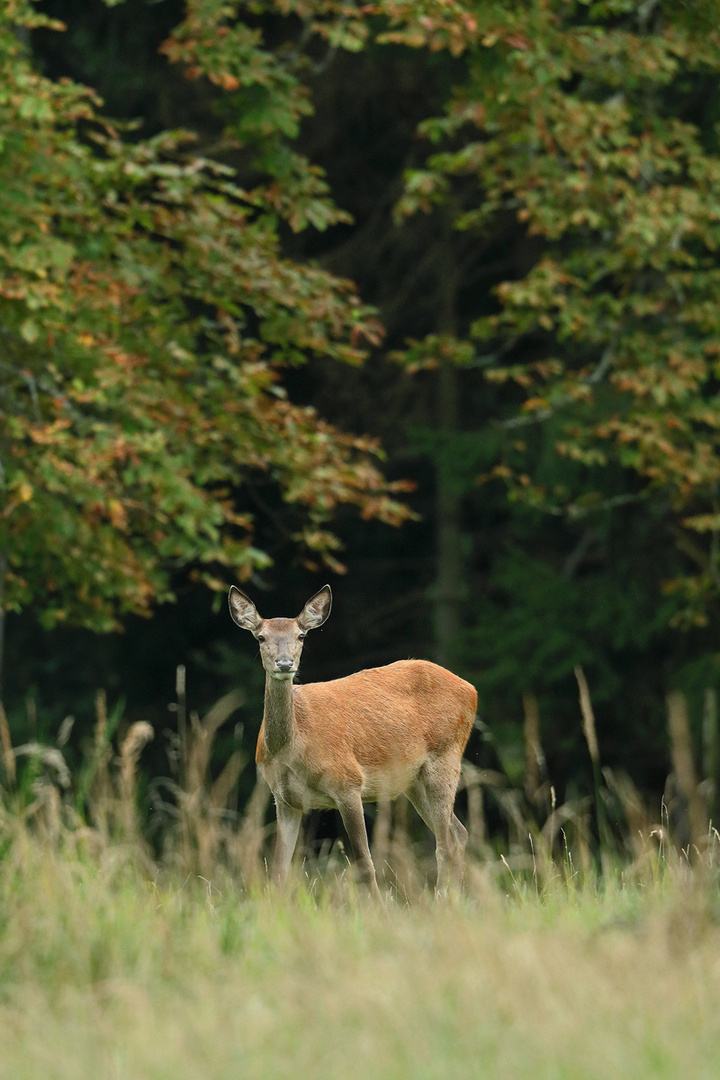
(377, 734)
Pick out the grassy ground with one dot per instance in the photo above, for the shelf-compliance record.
(105, 973)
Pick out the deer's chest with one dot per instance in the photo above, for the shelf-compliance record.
(295, 785)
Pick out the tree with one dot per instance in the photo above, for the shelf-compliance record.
(147, 314)
(561, 331)
(575, 118)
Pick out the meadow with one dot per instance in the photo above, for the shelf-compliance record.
(561, 958)
(108, 970)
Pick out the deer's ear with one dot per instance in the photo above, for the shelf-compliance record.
(316, 610)
(242, 610)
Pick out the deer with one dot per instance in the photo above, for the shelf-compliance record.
(370, 736)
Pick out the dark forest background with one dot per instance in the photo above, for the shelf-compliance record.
(529, 210)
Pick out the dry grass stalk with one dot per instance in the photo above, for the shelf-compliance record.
(683, 763)
(533, 748)
(221, 790)
(588, 716)
(711, 751)
(101, 794)
(181, 708)
(101, 719)
(51, 759)
(590, 732)
(202, 736)
(570, 818)
(472, 783)
(8, 754)
(510, 802)
(639, 822)
(138, 735)
(580, 842)
(200, 801)
(710, 731)
(396, 862)
(47, 810)
(246, 846)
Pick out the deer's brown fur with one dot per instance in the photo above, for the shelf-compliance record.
(376, 734)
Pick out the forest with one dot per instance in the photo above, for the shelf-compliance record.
(418, 298)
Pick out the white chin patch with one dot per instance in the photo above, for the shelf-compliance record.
(282, 675)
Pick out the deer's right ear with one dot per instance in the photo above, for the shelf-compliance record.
(242, 610)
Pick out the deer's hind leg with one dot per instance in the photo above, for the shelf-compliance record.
(432, 793)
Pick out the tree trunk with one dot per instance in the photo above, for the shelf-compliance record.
(448, 530)
(449, 581)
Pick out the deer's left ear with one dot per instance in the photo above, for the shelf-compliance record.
(316, 610)
(242, 610)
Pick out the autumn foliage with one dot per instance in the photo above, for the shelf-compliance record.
(535, 190)
(608, 344)
(147, 313)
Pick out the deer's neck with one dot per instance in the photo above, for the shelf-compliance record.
(278, 716)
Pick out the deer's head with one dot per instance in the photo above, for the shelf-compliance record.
(280, 640)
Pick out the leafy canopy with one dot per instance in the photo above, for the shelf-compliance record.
(146, 314)
(574, 119)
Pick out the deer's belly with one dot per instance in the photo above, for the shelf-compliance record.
(387, 782)
(306, 790)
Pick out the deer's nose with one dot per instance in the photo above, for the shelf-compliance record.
(284, 664)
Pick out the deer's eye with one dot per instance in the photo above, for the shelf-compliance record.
(261, 638)
(301, 637)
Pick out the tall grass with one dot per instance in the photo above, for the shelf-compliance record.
(105, 972)
(129, 953)
(188, 821)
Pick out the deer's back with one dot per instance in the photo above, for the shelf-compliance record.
(414, 705)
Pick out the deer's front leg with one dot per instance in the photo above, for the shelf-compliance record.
(351, 810)
(288, 827)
